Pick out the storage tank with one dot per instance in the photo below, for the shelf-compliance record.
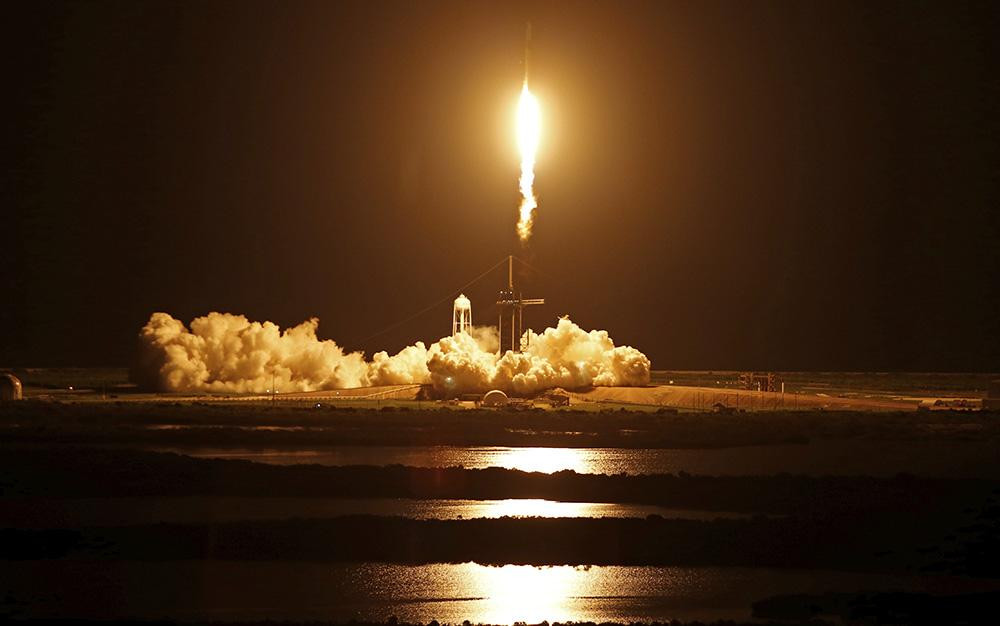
(461, 317)
(10, 387)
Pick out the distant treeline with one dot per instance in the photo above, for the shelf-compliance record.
(862, 542)
(96, 472)
(222, 424)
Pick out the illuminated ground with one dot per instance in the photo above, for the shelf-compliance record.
(684, 391)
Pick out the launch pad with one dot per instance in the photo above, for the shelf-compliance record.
(511, 305)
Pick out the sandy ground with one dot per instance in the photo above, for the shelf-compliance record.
(694, 391)
(387, 392)
(706, 398)
(671, 396)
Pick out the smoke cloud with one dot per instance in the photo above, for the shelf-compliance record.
(222, 352)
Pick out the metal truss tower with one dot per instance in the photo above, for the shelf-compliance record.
(511, 306)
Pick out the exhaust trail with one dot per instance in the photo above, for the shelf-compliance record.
(529, 130)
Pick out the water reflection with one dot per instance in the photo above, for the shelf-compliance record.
(945, 459)
(75, 512)
(226, 591)
(545, 508)
(523, 593)
(546, 460)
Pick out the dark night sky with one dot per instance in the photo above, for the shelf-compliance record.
(794, 185)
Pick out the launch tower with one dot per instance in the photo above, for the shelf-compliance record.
(511, 306)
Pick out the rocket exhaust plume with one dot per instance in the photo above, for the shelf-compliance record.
(529, 129)
(529, 124)
(228, 353)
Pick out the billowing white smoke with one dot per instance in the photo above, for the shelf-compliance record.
(564, 356)
(224, 352)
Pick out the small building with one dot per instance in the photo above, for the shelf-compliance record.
(10, 387)
(556, 399)
(495, 398)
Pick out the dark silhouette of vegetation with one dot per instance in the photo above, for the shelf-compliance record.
(860, 542)
(83, 472)
(237, 424)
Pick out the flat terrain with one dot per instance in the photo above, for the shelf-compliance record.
(692, 391)
(265, 424)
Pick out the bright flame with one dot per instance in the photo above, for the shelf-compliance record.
(529, 129)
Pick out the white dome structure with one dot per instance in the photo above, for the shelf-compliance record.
(495, 398)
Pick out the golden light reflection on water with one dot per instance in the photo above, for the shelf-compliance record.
(534, 508)
(524, 593)
(547, 460)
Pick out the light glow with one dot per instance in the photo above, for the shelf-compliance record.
(532, 507)
(523, 593)
(529, 130)
(545, 460)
